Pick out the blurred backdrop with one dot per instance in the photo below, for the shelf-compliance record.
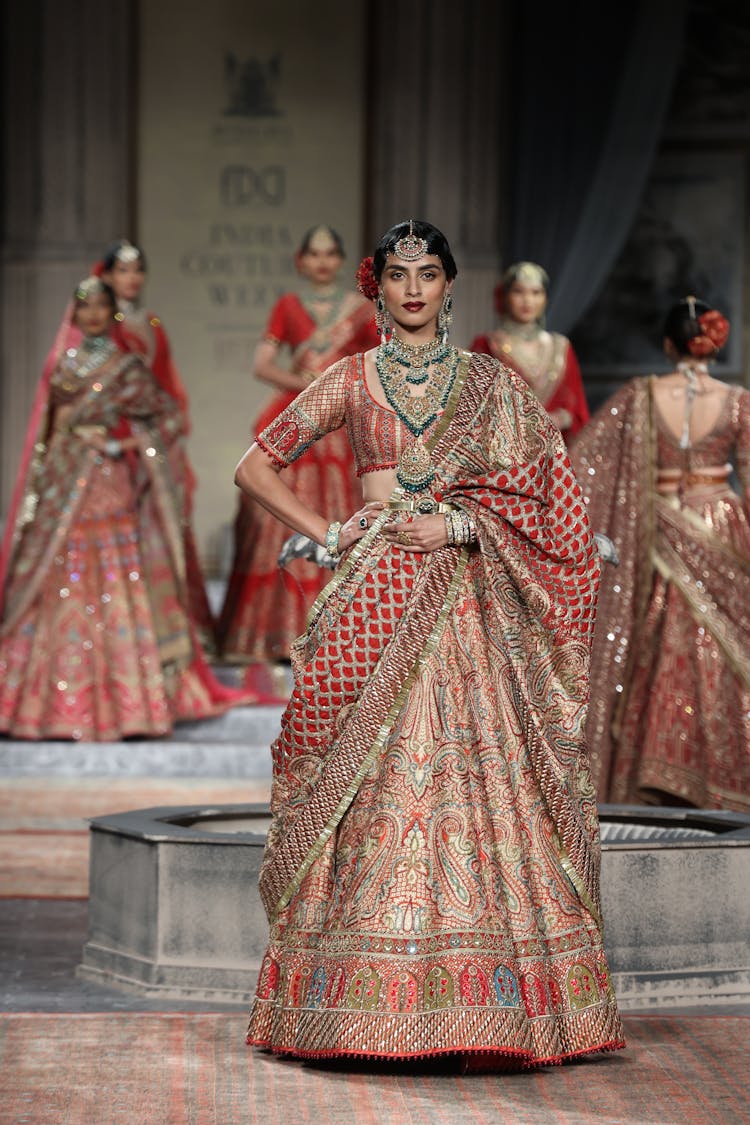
(609, 145)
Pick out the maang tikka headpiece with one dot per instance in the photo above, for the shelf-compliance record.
(410, 247)
(89, 287)
(127, 252)
(527, 273)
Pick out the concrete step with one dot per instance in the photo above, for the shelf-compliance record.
(236, 744)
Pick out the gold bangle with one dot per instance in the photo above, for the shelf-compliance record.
(332, 539)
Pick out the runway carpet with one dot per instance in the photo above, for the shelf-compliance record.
(44, 839)
(193, 1069)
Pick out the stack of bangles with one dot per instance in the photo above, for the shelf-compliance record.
(460, 528)
(332, 539)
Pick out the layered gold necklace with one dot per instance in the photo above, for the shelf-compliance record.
(323, 306)
(85, 360)
(401, 368)
(531, 350)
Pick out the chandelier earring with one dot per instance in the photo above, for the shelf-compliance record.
(445, 316)
(383, 320)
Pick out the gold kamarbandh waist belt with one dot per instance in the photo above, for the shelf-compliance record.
(694, 478)
(423, 505)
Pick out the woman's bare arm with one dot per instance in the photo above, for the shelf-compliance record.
(267, 369)
(258, 476)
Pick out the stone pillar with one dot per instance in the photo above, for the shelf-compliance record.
(67, 144)
(438, 135)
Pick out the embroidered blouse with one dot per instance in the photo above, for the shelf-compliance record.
(340, 396)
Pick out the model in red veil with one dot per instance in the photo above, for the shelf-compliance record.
(96, 637)
(265, 608)
(123, 267)
(546, 360)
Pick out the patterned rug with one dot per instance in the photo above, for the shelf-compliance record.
(194, 1069)
(38, 864)
(44, 838)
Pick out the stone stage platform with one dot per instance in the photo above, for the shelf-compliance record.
(174, 906)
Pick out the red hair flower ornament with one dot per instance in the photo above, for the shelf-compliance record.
(365, 279)
(713, 337)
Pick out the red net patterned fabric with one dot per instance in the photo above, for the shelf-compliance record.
(340, 397)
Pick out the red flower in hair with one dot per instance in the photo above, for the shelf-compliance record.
(713, 337)
(701, 347)
(716, 327)
(365, 279)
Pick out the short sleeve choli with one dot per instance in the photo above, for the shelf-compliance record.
(340, 396)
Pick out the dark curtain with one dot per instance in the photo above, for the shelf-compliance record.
(591, 87)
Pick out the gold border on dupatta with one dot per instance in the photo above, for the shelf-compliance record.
(569, 868)
(701, 611)
(641, 600)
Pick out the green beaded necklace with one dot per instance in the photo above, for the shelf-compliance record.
(401, 367)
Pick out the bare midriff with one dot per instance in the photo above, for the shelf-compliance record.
(378, 485)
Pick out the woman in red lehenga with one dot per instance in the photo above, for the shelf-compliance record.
(265, 607)
(123, 267)
(669, 718)
(546, 360)
(431, 875)
(96, 641)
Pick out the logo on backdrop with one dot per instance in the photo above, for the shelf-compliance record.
(251, 86)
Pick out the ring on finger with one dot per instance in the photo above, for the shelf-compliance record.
(363, 521)
(404, 537)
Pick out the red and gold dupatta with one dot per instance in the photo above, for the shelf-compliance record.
(53, 482)
(535, 574)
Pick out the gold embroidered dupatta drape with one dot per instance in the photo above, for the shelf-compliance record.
(616, 460)
(616, 469)
(59, 476)
(536, 575)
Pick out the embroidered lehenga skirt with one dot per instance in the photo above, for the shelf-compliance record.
(436, 910)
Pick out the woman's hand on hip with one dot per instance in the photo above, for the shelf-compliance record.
(357, 525)
(424, 533)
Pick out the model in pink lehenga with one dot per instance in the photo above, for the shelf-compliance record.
(123, 267)
(96, 638)
(546, 360)
(669, 719)
(265, 608)
(431, 875)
